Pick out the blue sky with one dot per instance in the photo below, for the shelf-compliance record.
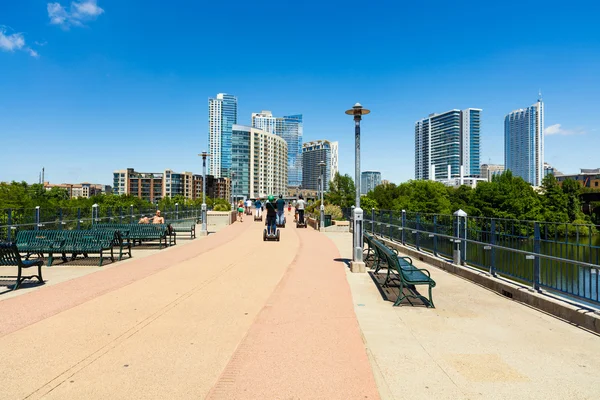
(88, 87)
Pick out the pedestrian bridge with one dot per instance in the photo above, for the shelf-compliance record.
(229, 316)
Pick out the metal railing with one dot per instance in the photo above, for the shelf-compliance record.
(14, 220)
(558, 257)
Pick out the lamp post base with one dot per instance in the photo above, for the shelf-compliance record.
(203, 233)
(357, 267)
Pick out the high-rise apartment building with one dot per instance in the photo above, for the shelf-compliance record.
(524, 143)
(449, 139)
(259, 163)
(369, 180)
(290, 128)
(222, 115)
(312, 154)
(489, 170)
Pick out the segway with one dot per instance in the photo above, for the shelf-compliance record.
(256, 217)
(272, 236)
(300, 224)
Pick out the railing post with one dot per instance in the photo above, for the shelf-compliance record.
(60, 219)
(390, 231)
(463, 253)
(9, 231)
(37, 218)
(403, 227)
(120, 214)
(373, 220)
(493, 249)
(418, 225)
(536, 261)
(176, 210)
(435, 253)
(381, 223)
(94, 213)
(131, 214)
(78, 218)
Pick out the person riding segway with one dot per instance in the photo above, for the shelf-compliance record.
(280, 212)
(258, 206)
(300, 204)
(271, 232)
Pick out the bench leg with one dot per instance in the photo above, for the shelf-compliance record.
(431, 298)
(50, 259)
(400, 295)
(101, 258)
(112, 254)
(19, 279)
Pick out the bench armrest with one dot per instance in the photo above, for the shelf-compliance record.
(407, 258)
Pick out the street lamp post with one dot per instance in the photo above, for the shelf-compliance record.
(233, 190)
(357, 264)
(204, 231)
(321, 165)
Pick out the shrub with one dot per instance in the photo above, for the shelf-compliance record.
(334, 211)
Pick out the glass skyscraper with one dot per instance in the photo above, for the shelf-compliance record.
(448, 141)
(222, 115)
(524, 143)
(291, 130)
(369, 180)
(312, 154)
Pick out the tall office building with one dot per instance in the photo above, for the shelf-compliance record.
(450, 139)
(312, 154)
(369, 180)
(290, 128)
(524, 143)
(222, 115)
(259, 163)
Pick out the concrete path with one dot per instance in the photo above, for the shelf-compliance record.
(474, 345)
(228, 315)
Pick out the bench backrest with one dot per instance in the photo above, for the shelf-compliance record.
(9, 254)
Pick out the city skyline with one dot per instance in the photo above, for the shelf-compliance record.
(113, 90)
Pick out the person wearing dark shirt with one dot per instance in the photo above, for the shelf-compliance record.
(280, 210)
(258, 206)
(271, 215)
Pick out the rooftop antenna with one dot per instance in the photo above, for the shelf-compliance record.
(540, 96)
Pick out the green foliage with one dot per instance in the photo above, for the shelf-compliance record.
(334, 211)
(367, 203)
(342, 191)
(507, 196)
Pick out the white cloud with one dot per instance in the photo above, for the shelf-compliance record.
(78, 13)
(557, 129)
(14, 41)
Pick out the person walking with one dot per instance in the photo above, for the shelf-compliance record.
(241, 211)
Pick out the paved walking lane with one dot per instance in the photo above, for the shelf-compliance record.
(305, 344)
(168, 325)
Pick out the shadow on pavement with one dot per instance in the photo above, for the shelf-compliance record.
(391, 292)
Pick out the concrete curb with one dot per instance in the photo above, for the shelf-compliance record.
(579, 316)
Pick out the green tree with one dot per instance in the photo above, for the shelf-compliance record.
(341, 191)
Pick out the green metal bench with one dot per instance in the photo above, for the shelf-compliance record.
(138, 232)
(69, 241)
(10, 256)
(89, 241)
(184, 225)
(408, 276)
